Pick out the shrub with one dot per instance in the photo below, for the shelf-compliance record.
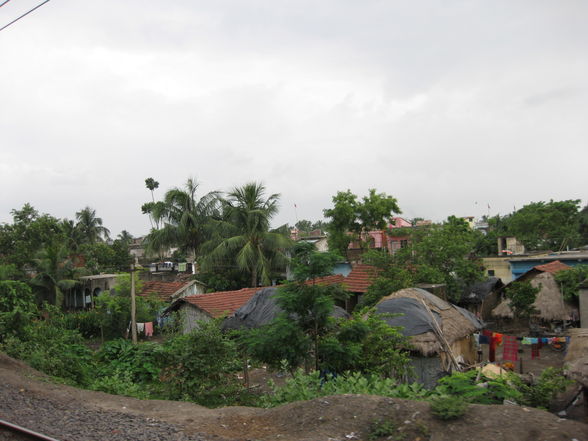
(474, 389)
(309, 386)
(143, 362)
(120, 382)
(17, 307)
(548, 385)
(53, 350)
(202, 367)
(448, 407)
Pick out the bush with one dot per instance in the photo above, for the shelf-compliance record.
(143, 362)
(53, 350)
(17, 307)
(202, 367)
(485, 390)
(309, 386)
(448, 407)
(88, 323)
(120, 382)
(548, 385)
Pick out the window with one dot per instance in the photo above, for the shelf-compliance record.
(491, 272)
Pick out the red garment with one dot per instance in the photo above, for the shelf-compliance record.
(510, 350)
(497, 338)
(149, 329)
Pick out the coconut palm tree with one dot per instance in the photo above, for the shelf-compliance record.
(54, 271)
(185, 220)
(90, 226)
(248, 239)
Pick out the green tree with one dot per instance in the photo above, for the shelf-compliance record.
(522, 295)
(23, 239)
(186, 220)
(391, 276)
(148, 207)
(351, 219)
(570, 280)
(90, 226)
(247, 238)
(306, 308)
(55, 272)
(552, 225)
(17, 307)
(583, 228)
(443, 253)
(304, 226)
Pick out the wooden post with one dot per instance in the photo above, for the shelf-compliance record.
(133, 307)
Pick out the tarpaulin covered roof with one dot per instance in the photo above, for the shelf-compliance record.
(261, 310)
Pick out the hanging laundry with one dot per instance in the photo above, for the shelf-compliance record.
(149, 329)
(526, 341)
(497, 337)
(511, 348)
(140, 327)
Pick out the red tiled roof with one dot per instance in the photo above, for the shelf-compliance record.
(164, 290)
(552, 267)
(327, 280)
(361, 277)
(221, 303)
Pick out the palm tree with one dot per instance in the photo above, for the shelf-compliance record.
(186, 220)
(54, 271)
(73, 235)
(248, 240)
(125, 236)
(90, 226)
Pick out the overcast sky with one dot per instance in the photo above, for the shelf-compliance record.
(450, 106)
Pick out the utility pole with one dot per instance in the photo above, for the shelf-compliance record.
(133, 307)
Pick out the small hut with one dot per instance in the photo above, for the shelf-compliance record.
(482, 297)
(438, 331)
(549, 303)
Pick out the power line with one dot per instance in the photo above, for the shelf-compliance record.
(23, 15)
(4, 2)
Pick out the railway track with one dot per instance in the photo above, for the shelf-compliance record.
(21, 433)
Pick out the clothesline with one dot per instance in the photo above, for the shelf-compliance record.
(510, 349)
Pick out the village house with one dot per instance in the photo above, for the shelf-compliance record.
(430, 323)
(549, 303)
(169, 291)
(205, 307)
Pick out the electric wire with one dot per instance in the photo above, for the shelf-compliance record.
(4, 2)
(23, 15)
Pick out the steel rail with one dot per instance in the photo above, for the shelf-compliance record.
(23, 430)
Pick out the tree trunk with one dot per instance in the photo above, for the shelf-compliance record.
(58, 297)
(254, 277)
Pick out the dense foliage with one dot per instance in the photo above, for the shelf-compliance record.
(351, 219)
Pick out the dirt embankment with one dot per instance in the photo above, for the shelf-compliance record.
(342, 417)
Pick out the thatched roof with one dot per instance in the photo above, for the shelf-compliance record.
(455, 322)
(576, 360)
(549, 303)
